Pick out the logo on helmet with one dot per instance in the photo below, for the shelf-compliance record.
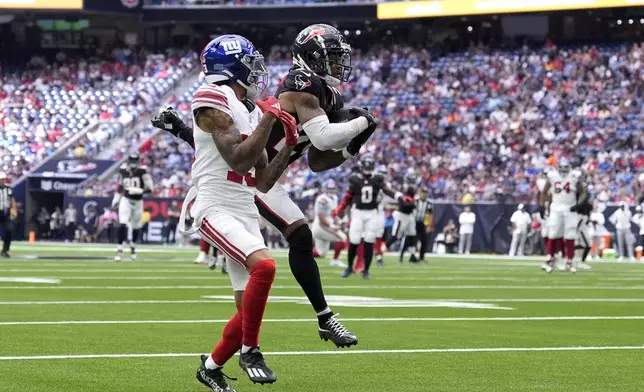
(312, 33)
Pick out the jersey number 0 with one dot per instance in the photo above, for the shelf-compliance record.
(367, 194)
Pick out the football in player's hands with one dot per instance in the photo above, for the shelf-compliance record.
(366, 114)
(290, 128)
(270, 105)
(357, 142)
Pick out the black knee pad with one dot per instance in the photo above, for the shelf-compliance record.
(301, 239)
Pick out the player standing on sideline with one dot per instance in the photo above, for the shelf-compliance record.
(364, 191)
(324, 229)
(134, 181)
(404, 227)
(422, 210)
(8, 212)
(585, 231)
(567, 193)
(321, 61)
(230, 135)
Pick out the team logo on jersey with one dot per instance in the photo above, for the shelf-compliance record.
(300, 83)
(312, 33)
(130, 3)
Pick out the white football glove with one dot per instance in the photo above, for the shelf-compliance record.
(134, 190)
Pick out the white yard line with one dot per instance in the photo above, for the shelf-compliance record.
(337, 352)
(27, 279)
(380, 319)
(205, 301)
(341, 287)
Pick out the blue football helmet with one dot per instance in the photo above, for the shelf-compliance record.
(233, 57)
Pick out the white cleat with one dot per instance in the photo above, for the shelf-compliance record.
(546, 267)
(201, 259)
(620, 259)
(337, 263)
(585, 266)
(133, 256)
(560, 267)
(119, 256)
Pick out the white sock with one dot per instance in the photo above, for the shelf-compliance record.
(325, 311)
(210, 363)
(245, 349)
(202, 254)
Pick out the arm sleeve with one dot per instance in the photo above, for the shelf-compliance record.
(348, 197)
(326, 136)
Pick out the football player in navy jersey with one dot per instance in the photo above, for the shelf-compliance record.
(363, 194)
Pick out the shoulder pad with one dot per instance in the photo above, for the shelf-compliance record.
(379, 179)
(123, 167)
(211, 96)
(305, 81)
(355, 179)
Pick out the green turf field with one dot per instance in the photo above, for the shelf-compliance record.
(478, 324)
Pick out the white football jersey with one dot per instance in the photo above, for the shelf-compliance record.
(218, 186)
(324, 205)
(563, 188)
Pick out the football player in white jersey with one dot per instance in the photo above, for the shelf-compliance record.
(230, 135)
(566, 192)
(324, 228)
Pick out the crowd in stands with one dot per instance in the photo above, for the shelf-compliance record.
(481, 124)
(49, 100)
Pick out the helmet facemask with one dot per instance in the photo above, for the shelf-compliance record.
(256, 82)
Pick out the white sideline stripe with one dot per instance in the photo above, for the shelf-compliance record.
(381, 319)
(26, 279)
(204, 301)
(337, 352)
(366, 287)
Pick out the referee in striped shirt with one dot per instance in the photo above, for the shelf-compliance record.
(7, 207)
(423, 209)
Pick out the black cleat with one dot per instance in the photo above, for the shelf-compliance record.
(5, 254)
(413, 259)
(214, 379)
(366, 275)
(253, 364)
(379, 261)
(339, 335)
(346, 272)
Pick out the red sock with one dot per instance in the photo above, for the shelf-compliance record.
(378, 246)
(570, 249)
(231, 340)
(562, 246)
(262, 275)
(337, 249)
(359, 267)
(204, 246)
(316, 253)
(550, 247)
